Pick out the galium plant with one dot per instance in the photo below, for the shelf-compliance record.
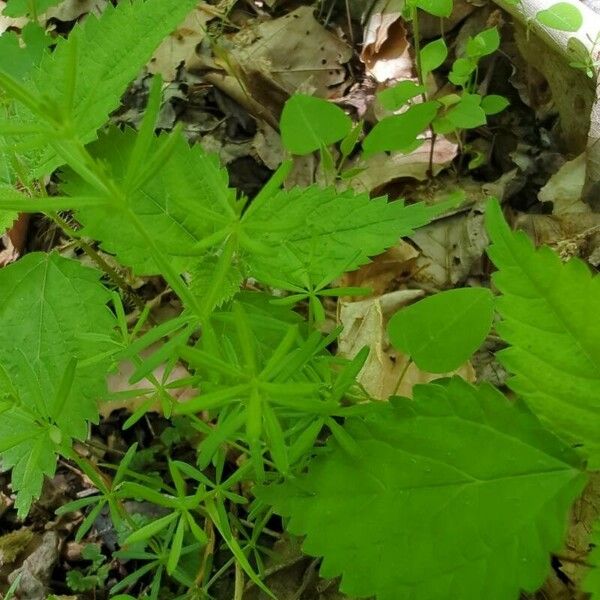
(461, 492)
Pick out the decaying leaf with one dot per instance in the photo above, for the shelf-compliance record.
(386, 49)
(565, 188)
(69, 10)
(385, 372)
(180, 46)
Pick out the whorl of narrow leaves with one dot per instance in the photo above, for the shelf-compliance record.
(52, 311)
(549, 317)
(457, 494)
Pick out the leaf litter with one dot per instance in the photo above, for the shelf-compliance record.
(230, 70)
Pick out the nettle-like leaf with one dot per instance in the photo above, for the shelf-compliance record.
(7, 218)
(313, 235)
(54, 341)
(457, 494)
(554, 352)
(88, 72)
(179, 205)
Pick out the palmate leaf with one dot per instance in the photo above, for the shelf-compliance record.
(316, 234)
(176, 205)
(457, 494)
(549, 311)
(52, 312)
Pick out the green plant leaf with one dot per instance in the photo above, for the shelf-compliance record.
(433, 55)
(467, 114)
(484, 43)
(400, 132)
(180, 204)
(22, 8)
(493, 104)
(442, 331)
(554, 352)
(49, 304)
(7, 218)
(325, 232)
(562, 16)
(456, 494)
(108, 52)
(308, 123)
(398, 95)
(438, 8)
(462, 69)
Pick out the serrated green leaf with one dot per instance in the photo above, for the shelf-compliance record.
(562, 16)
(325, 232)
(180, 205)
(456, 494)
(108, 52)
(433, 55)
(308, 123)
(7, 218)
(48, 303)
(442, 331)
(554, 355)
(400, 132)
(398, 95)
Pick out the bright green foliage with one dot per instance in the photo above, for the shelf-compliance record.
(442, 331)
(7, 218)
(562, 16)
(591, 583)
(396, 96)
(484, 43)
(400, 132)
(457, 494)
(313, 235)
(86, 75)
(554, 354)
(179, 204)
(19, 59)
(56, 374)
(432, 56)
(309, 123)
(438, 8)
(33, 8)
(493, 104)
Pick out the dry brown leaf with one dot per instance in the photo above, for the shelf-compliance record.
(365, 324)
(180, 46)
(564, 189)
(388, 268)
(449, 249)
(294, 51)
(385, 51)
(381, 170)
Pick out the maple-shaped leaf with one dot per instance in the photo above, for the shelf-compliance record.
(549, 315)
(55, 332)
(315, 234)
(178, 206)
(456, 494)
